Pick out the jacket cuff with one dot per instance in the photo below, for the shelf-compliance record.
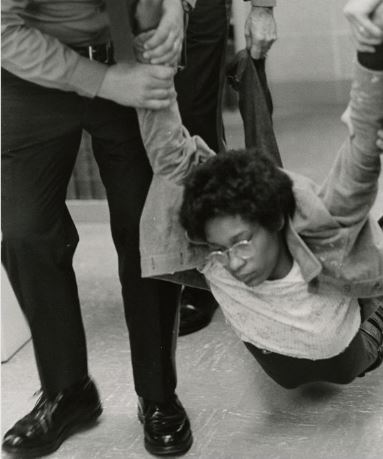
(87, 77)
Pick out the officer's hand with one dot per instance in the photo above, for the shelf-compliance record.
(260, 31)
(139, 85)
(165, 45)
(139, 43)
(360, 15)
(148, 14)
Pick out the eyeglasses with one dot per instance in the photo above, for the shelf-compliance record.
(242, 249)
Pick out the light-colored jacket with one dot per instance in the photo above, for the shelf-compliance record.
(336, 243)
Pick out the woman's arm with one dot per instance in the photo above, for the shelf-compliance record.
(171, 150)
(350, 189)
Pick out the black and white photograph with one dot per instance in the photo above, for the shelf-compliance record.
(192, 229)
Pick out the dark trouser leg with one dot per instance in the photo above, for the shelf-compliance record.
(150, 305)
(291, 372)
(40, 142)
(199, 87)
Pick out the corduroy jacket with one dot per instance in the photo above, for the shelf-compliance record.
(332, 236)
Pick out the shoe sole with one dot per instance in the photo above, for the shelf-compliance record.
(173, 450)
(50, 448)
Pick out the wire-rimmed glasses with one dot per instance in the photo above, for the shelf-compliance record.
(243, 249)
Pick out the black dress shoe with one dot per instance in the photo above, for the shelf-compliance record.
(197, 310)
(53, 420)
(166, 427)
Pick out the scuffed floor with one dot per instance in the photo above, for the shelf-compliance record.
(236, 411)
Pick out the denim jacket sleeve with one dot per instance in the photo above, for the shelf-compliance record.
(171, 150)
(351, 186)
(172, 153)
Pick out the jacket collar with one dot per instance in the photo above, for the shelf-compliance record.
(309, 264)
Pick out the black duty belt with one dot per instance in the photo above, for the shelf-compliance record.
(100, 53)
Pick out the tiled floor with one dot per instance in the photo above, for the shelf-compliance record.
(235, 409)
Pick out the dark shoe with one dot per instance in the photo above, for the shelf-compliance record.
(197, 310)
(166, 427)
(373, 327)
(53, 420)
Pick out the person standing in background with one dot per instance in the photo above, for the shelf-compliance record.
(59, 77)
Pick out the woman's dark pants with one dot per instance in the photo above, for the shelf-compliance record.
(291, 372)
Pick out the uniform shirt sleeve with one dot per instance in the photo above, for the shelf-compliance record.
(42, 59)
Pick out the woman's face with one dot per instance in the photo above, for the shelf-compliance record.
(267, 257)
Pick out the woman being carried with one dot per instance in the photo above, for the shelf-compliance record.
(296, 268)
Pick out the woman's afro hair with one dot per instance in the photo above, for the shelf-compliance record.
(237, 182)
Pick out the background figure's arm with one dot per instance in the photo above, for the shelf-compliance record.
(43, 59)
